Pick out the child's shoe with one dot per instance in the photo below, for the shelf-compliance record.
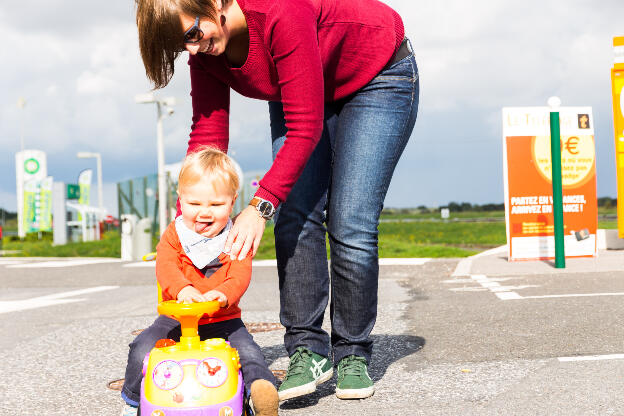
(264, 399)
(353, 381)
(129, 410)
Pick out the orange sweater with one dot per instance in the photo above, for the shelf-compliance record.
(174, 271)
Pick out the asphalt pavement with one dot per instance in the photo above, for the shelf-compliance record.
(475, 336)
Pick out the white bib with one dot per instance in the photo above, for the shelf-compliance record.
(201, 250)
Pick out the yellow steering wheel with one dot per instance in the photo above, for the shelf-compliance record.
(188, 314)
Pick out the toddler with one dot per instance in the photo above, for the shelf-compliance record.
(191, 267)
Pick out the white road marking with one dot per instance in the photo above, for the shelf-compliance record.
(510, 288)
(575, 295)
(508, 292)
(468, 289)
(141, 264)
(7, 262)
(49, 300)
(465, 264)
(592, 357)
(509, 296)
(273, 263)
(491, 284)
(403, 261)
(469, 280)
(62, 263)
(255, 263)
(502, 292)
(264, 263)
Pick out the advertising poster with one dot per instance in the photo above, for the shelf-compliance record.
(84, 182)
(29, 165)
(528, 182)
(31, 206)
(45, 204)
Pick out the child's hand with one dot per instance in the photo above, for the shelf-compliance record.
(216, 295)
(189, 294)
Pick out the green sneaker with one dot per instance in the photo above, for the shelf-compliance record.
(305, 371)
(353, 380)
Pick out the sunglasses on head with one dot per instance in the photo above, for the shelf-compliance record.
(194, 34)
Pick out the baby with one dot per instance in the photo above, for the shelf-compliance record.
(191, 267)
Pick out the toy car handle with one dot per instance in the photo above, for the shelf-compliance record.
(188, 314)
(175, 309)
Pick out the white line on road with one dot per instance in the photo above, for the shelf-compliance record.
(465, 264)
(62, 263)
(469, 280)
(592, 357)
(141, 264)
(502, 292)
(49, 300)
(7, 262)
(255, 263)
(403, 262)
(273, 263)
(575, 295)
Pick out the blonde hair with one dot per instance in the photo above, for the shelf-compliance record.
(161, 33)
(212, 163)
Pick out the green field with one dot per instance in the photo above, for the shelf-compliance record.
(407, 234)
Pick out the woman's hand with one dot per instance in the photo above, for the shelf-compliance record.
(245, 234)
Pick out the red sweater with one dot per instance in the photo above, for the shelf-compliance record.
(174, 271)
(302, 53)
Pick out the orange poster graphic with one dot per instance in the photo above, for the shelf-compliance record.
(528, 182)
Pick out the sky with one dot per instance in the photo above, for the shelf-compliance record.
(77, 65)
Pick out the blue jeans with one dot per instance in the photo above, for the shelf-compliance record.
(341, 192)
(253, 364)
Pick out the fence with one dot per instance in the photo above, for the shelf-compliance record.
(139, 196)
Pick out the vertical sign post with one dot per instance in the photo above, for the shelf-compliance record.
(555, 157)
(617, 83)
(528, 173)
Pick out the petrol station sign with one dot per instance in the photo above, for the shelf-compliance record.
(32, 191)
(528, 182)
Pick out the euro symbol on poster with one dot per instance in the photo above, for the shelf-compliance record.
(571, 145)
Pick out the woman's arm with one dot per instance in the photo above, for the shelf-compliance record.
(291, 30)
(211, 108)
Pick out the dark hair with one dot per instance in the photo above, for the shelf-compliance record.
(160, 33)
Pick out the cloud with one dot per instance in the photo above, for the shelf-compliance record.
(78, 67)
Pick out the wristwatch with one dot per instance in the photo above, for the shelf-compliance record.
(265, 208)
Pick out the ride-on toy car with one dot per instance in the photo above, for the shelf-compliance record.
(192, 377)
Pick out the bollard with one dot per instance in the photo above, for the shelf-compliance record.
(555, 157)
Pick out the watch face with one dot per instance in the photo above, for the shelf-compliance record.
(266, 208)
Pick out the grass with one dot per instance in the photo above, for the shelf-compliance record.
(427, 237)
(109, 246)
(420, 239)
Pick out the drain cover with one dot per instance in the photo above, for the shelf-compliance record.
(116, 384)
(254, 327)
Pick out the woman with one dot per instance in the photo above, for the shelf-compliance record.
(343, 90)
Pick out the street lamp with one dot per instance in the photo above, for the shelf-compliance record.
(21, 102)
(167, 104)
(98, 158)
